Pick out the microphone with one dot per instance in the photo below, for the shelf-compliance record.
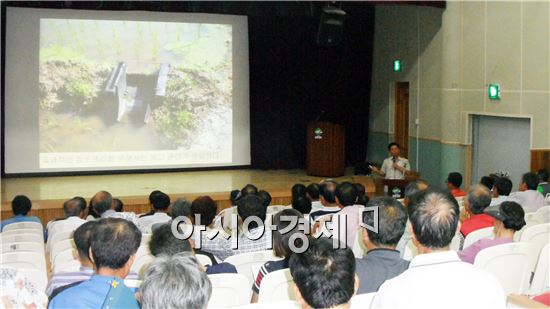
(394, 160)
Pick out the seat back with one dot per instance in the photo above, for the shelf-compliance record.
(18, 260)
(362, 300)
(511, 263)
(410, 251)
(142, 260)
(277, 286)
(57, 237)
(38, 278)
(359, 248)
(247, 263)
(132, 283)
(61, 246)
(542, 214)
(6, 239)
(23, 225)
(22, 247)
(477, 235)
(276, 208)
(204, 260)
(541, 278)
(538, 235)
(229, 290)
(23, 231)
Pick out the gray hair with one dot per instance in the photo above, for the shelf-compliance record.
(479, 197)
(181, 207)
(176, 281)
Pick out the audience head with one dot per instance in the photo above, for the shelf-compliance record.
(164, 242)
(413, 188)
(281, 242)
(362, 198)
(251, 206)
(173, 282)
(302, 204)
(206, 207)
(21, 205)
(326, 192)
(543, 175)
(265, 196)
(159, 200)
(346, 194)
(394, 149)
(454, 180)
(509, 216)
(479, 198)
(74, 207)
(101, 202)
(181, 207)
(392, 219)
(234, 196)
(91, 211)
(529, 181)
(434, 218)
(118, 205)
(82, 238)
(248, 190)
(324, 276)
(114, 244)
(503, 186)
(298, 190)
(312, 192)
(487, 181)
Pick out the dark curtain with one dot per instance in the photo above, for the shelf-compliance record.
(293, 80)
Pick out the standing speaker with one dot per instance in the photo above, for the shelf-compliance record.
(331, 26)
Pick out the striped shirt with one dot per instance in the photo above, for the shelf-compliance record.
(66, 278)
(268, 267)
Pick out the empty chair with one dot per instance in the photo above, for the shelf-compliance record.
(23, 231)
(542, 215)
(22, 238)
(22, 247)
(23, 225)
(541, 278)
(537, 235)
(229, 290)
(477, 235)
(61, 246)
(362, 300)
(246, 263)
(277, 286)
(511, 263)
(30, 260)
(58, 237)
(38, 278)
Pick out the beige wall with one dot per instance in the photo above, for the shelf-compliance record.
(451, 55)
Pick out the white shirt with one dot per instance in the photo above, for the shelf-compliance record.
(501, 199)
(316, 206)
(530, 200)
(391, 173)
(65, 225)
(441, 280)
(146, 222)
(345, 224)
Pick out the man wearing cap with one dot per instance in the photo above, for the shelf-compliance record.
(113, 249)
(509, 218)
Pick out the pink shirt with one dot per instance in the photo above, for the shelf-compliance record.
(469, 254)
(346, 231)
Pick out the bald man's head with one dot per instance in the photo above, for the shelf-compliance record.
(102, 201)
(74, 207)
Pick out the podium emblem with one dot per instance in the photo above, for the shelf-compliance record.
(318, 133)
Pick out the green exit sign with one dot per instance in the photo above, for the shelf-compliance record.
(397, 65)
(494, 91)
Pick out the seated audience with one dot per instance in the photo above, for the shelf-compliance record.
(102, 204)
(382, 261)
(249, 189)
(362, 198)
(302, 204)
(327, 198)
(21, 206)
(74, 211)
(62, 280)
(509, 218)
(113, 247)
(488, 181)
(454, 181)
(118, 205)
(544, 186)
(266, 197)
(324, 276)
(164, 242)
(528, 196)
(312, 192)
(160, 202)
(479, 198)
(281, 246)
(92, 215)
(18, 291)
(204, 210)
(181, 207)
(234, 195)
(298, 190)
(436, 275)
(346, 222)
(174, 282)
(411, 189)
(501, 190)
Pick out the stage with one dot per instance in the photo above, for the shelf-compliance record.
(49, 193)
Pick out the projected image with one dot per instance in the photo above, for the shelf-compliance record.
(108, 86)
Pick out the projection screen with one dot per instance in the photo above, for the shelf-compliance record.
(111, 90)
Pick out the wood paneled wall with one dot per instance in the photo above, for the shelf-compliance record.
(540, 159)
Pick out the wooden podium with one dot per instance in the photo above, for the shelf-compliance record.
(325, 149)
(399, 183)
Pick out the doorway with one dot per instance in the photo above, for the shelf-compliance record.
(401, 120)
(500, 144)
